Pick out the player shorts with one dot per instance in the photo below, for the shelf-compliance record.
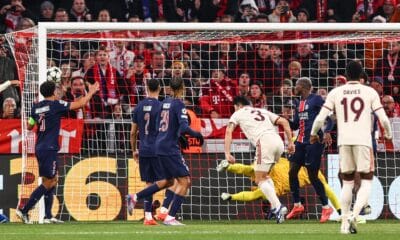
(151, 169)
(356, 158)
(174, 166)
(308, 155)
(47, 161)
(269, 149)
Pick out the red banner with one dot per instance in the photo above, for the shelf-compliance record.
(10, 136)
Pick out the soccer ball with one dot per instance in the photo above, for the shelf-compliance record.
(54, 74)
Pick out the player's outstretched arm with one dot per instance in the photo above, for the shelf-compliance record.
(93, 88)
(288, 132)
(384, 120)
(228, 141)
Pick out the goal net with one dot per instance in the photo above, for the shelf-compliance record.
(217, 62)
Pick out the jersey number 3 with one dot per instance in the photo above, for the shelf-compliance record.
(258, 116)
(164, 121)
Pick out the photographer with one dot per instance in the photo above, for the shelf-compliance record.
(248, 11)
(282, 13)
(11, 14)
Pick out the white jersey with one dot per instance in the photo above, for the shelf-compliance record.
(121, 61)
(255, 122)
(354, 103)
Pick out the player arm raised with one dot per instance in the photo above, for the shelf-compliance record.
(318, 123)
(81, 102)
(228, 141)
(288, 132)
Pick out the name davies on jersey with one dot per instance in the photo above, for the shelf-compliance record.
(348, 92)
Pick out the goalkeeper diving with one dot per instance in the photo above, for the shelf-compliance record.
(280, 177)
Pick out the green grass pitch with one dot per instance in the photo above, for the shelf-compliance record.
(204, 230)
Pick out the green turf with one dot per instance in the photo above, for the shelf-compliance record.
(204, 230)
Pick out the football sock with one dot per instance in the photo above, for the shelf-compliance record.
(176, 205)
(362, 196)
(148, 191)
(148, 204)
(318, 186)
(331, 196)
(34, 198)
(169, 196)
(346, 197)
(294, 181)
(239, 168)
(48, 203)
(267, 187)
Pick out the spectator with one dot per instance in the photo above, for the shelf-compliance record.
(120, 57)
(9, 109)
(323, 76)
(283, 97)
(112, 85)
(343, 10)
(388, 68)
(278, 69)
(387, 10)
(248, 11)
(262, 18)
(216, 99)
(244, 84)
(294, 71)
(323, 92)
(77, 91)
(257, 97)
(146, 10)
(281, 13)
(391, 107)
(46, 11)
(178, 71)
(136, 79)
(180, 11)
(79, 12)
(377, 84)
(11, 14)
(104, 16)
(307, 58)
(303, 15)
(61, 15)
(226, 18)
(207, 10)
(8, 74)
(88, 61)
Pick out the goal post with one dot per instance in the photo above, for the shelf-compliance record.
(95, 177)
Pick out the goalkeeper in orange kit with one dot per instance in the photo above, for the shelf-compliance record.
(279, 175)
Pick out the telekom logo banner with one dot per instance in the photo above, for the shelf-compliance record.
(70, 138)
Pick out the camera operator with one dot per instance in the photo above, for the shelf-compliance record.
(11, 14)
(248, 11)
(282, 13)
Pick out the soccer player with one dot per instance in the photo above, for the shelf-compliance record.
(353, 104)
(258, 126)
(307, 154)
(174, 123)
(144, 121)
(47, 115)
(279, 176)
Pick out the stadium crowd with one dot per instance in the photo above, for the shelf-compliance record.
(213, 73)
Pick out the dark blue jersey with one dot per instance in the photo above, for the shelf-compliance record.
(173, 119)
(145, 116)
(305, 113)
(47, 115)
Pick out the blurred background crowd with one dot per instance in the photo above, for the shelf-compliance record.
(213, 73)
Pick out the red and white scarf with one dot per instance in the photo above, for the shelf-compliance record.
(111, 83)
(224, 91)
(392, 64)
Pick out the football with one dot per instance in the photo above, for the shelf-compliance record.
(54, 74)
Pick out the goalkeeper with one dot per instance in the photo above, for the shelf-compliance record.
(281, 181)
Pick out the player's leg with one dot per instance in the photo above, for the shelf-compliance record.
(313, 163)
(296, 161)
(244, 196)
(265, 159)
(47, 170)
(364, 159)
(152, 171)
(238, 168)
(180, 171)
(169, 196)
(347, 168)
(332, 197)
